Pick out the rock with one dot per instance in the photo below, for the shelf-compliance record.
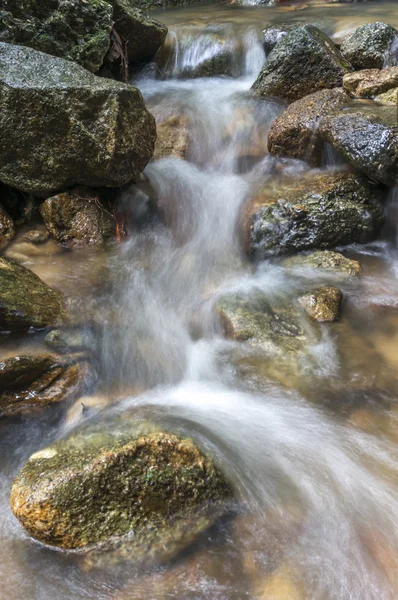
(281, 585)
(7, 229)
(371, 82)
(142, 35)
(390, 97)
(368, 140)
(325, 260)
(304, 61)
(25, 300)
(369, 46)
(294, 133)
(129, 485)
(172, 138)
(70, 340)
(36, 236)
(73, 30)
(274, 329)
(321, 211)
(30, 384)
(323, 304)
(77, 217)
(87, 130)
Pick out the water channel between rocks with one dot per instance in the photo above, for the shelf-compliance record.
(312, 451)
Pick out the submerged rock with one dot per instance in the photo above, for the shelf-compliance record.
(25, 300)
(30, 384)
(369, 46)
(86, 130)
(323, 304)
(77, 217)
(74, 30)
(130, 485)
(294, 133)
(141, 35)
(371, 82)
(321, 211)
(368, 140)
(325, 260)
(36, 236)
(70, 340)
(303, 62)
(7, 229)
(172, 138)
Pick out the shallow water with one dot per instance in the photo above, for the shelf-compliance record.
(311, 451)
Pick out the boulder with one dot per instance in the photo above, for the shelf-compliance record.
(87, 130)
(323, 304)
(127, 484)
(25, 300)
(74, 30)
(77, 217)
(369, 46)
(30, 384)
(371, 82)
(7, 229)
(390, 97)
(367, 139)
(172, 138)
(303, 62)
(140, 34)
(294, 133)
(318, 211)
(324, 260)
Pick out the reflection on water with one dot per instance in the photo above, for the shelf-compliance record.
(311, 451)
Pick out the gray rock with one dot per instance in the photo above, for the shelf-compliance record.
(316, 212)
(25, 300)
(369, 47)
(303, 62)
(367, 139)
(86, 130)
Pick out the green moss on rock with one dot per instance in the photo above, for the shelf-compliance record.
(369, 46)
(132, 485)
(86, 130)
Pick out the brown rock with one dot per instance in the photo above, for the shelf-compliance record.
(77, 218)
(172, 138)
(30, 384)
(295, 132)
(371, 82)
(390, 97)
(326, 260)
(323, 304)
(7, 229)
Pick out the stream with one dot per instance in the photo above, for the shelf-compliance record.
(312, 455)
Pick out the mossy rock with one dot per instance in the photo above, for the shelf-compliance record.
(77, 217)
(294, 133)
(367, 138)
(369, 46)
(25, 300)
(74, 30)
(130, 485)
(321, 211)
(325, 260)
(87, 130)
(303, 62)
(30, 384)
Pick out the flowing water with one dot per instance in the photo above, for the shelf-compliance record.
(312, 454)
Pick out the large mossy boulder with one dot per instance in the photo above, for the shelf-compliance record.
(25, 300)
(367, 138)
(369, 47)
(294, 133)
(129, 484)
(86, 130)
(371, 82)
(73, 29)
(77, 217)
(141, 35)
(30, 384)
(315, 212)
(303, 62)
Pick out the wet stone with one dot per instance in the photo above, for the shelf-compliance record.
(172, 138)
(7, 228)
(323, 304)
(35, 236)
(369, 47)
(325, 260)
(371, 82)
